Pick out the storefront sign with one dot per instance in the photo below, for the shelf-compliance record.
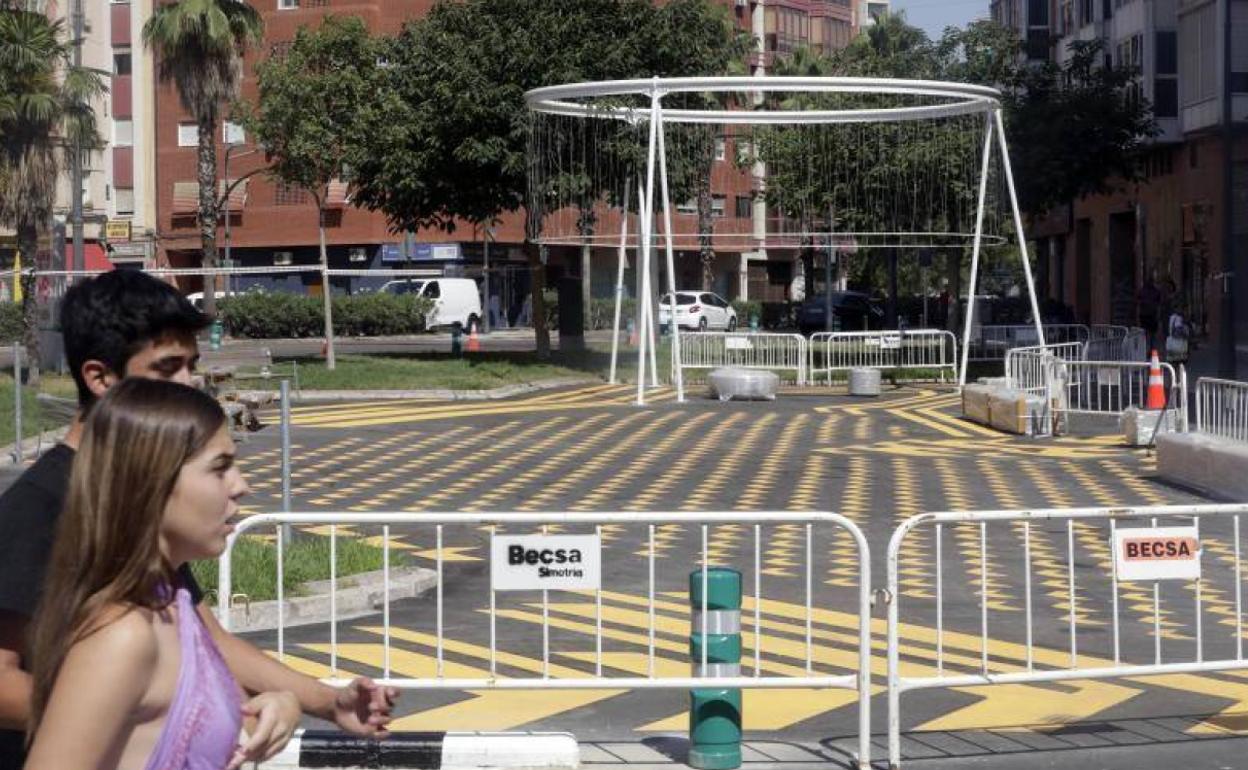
(1157, 553)
(117, 230)
(537, 562)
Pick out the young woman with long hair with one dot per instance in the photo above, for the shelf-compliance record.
(125, 674)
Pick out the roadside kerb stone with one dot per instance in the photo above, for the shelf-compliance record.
(358, 595)
(440, 394)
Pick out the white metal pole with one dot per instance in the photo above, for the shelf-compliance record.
(678, 377)
(619, 282)
(1018, 226)
(979, 235)
(643, 236)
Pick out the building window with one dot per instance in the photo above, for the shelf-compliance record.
(745, 207)
(123, 133)
(1037, 44)
(188, 135)
(286, 5)
(281, 258)
(1167, 53)
(1085, 12)
(1166, 98)
(1037, 13)
(289, 195)
(719, 206)
(121, 63)
(688, 207)
(232, 133)
(125, 200)
(720, 148)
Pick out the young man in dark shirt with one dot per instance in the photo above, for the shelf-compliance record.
(128, 324)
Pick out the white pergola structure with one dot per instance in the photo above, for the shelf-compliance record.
(581, 170)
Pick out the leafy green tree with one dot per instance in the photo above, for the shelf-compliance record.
(454, 145)
(45, 112)
(316, 104)
(199, 45)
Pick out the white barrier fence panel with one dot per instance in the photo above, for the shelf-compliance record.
(990, 343)
(1110, 387)
(745, 350)
(1116, 343)
(1132, 601)
(915, 350)
(1222, 408)
(1028, 368)
(781, 651)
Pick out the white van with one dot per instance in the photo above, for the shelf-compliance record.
(455, 300)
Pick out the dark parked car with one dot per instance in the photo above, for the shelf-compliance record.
(852, 311)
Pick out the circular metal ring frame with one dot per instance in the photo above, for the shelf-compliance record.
(953, 99)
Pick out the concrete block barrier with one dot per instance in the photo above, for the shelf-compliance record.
(1213, 465)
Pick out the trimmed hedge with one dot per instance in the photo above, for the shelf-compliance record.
(601, 312)
(11, 323)
(279, 315)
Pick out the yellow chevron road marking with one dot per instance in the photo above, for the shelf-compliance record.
(492, 709)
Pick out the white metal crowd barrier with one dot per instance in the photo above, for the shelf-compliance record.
(775, 655)
(1222, 408)
(746, 350)
(1029, 368)
(1030, 648)
(990, 343)
(916, 350)
(1116, 343)
(1111, 387)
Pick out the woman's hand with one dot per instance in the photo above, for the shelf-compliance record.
(363, 707)
(277, 716)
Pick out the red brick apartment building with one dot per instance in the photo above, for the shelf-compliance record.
(1095, 253)
(271, 224)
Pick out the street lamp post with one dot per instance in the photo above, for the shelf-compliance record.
(487, 239)
(225, 203)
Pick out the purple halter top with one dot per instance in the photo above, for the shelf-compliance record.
(202, 726)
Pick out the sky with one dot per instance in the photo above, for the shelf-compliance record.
(934, 15)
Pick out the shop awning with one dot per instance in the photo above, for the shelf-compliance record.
(94, 255)
(185, 198)
(336, 194)
(238, 196)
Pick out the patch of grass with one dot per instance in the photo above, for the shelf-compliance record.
(475, 371)
(306, 558)
(34, 417)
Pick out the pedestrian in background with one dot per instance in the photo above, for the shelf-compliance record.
(1148, 303)
(125, 673)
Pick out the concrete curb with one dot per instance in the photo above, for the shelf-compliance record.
(439, 394)
(429, 751)
(44, 441)
(364, 596)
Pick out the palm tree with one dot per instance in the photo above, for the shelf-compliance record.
(45, 114)
(200, 46)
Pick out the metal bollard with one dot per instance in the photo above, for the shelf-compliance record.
(17, 403)
(715, 713)
(457, 333)
(285, 421)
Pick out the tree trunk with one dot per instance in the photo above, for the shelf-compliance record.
(28, 244)
(208, 208)
(537, 285)
(326, 290)
(706, 227)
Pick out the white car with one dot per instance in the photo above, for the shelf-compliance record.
(701, 310)
(455, 300)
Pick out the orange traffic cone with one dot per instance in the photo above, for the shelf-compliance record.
(1156, 397)
(474, 342)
